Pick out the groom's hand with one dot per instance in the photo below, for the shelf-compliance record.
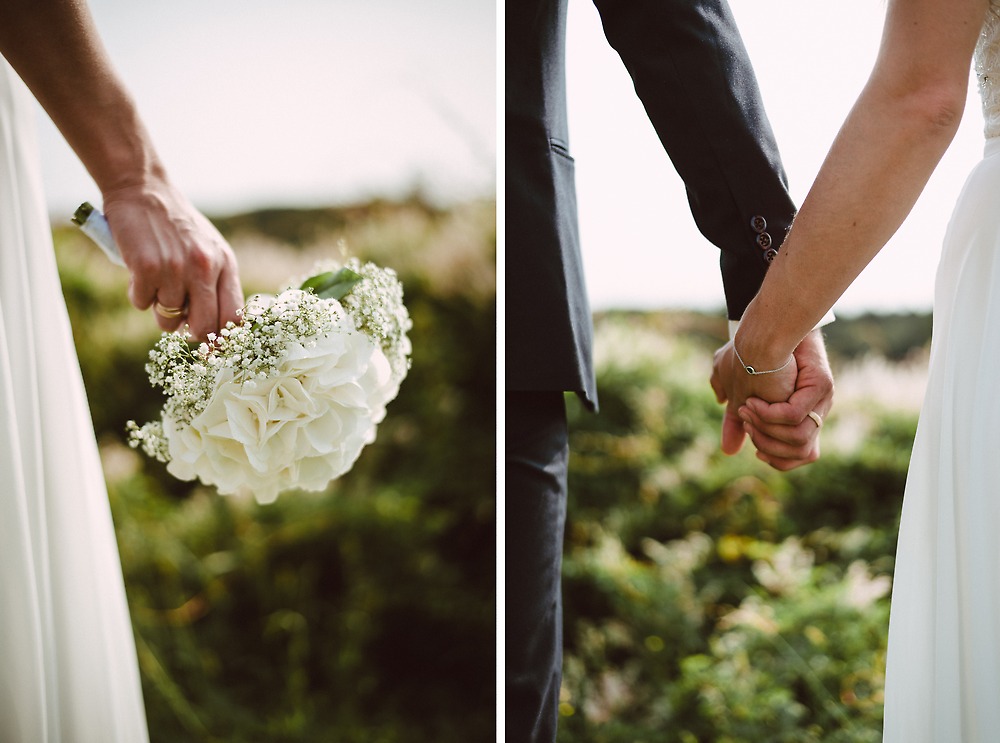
(784, 433)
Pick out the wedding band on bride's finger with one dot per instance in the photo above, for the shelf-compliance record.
(170, 313)
(817, 418)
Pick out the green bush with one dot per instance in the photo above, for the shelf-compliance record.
(710, 598)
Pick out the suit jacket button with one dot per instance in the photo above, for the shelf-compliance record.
(764, 240)
(758, 224)
(770, 255)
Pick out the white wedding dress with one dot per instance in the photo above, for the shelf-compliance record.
(68, 671)
(943, 663)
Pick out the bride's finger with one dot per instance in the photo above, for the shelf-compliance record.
(203, 311)
(783, 442)
(797, 435)
(141, 291)
(796, 408)
(777, 413)
(784, 465)
(169, 308)
(230, 295)
(780, 455)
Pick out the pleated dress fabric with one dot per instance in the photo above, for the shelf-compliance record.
(943, 662)
(68, 669)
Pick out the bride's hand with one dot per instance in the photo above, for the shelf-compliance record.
(176, 257)
(733, 386)
(785, 433)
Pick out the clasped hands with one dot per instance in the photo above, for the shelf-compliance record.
(774, 409)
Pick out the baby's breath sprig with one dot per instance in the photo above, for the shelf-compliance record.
(373, 296)
(150, 439)
(178, 367)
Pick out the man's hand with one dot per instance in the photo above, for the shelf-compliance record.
(773, 409)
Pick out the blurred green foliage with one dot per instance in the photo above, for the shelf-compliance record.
(892, 336)
(365, 613)
(710, 598)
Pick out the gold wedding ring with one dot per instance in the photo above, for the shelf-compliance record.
(170, 313)
(817, 418)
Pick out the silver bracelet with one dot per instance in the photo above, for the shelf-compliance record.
(750, 370)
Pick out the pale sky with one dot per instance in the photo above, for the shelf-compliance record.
(303, 102)
(313, 102)
(641, 247)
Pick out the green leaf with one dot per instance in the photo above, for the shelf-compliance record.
(330, 285)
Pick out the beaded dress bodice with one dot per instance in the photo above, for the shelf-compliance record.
(987, 61)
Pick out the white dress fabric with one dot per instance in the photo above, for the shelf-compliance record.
(68, 670)
(943, 662)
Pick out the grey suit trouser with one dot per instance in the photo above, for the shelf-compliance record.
(537, 450)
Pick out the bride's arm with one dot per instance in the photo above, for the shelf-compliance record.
(891, 141)
(173, 253)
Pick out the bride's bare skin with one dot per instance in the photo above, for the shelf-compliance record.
(173, 253)
(892, 140)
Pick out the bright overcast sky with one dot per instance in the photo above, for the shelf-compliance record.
(641, 248)
(302, 102)
(254, 103)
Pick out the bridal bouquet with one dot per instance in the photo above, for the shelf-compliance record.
(289, 396)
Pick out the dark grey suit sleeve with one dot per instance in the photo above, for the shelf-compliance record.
(692, 73)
